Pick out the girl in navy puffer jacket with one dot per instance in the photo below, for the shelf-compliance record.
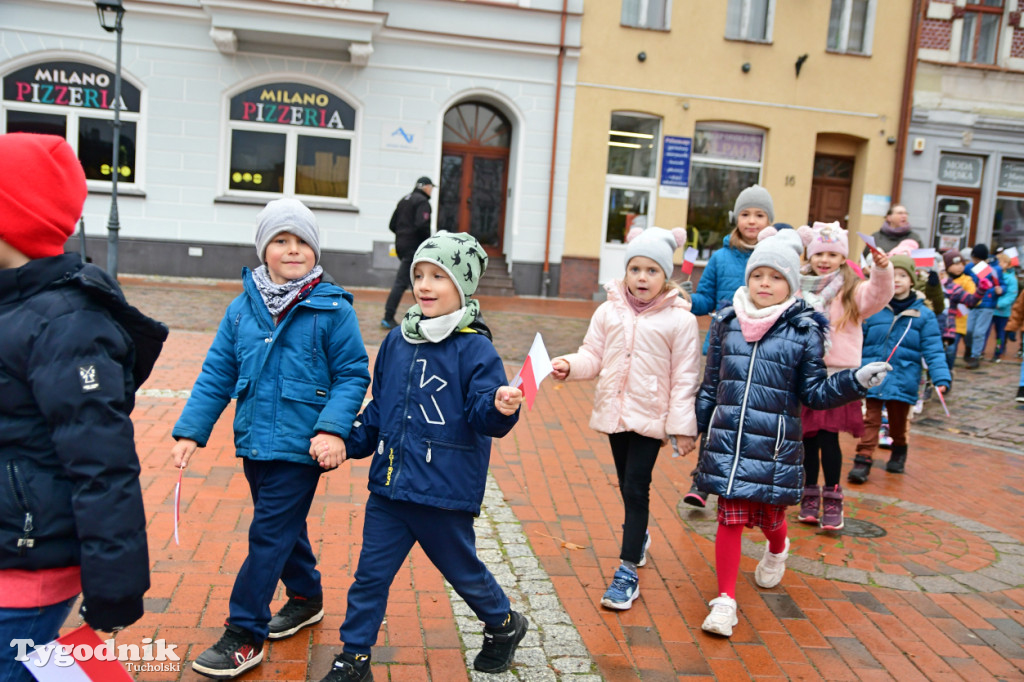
(765, 358)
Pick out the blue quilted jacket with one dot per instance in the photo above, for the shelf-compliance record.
(748, 405)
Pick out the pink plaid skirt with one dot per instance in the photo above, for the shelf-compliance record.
(750, 514)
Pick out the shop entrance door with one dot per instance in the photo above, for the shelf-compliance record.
(830, 190)
(474, 174)
(956, 217)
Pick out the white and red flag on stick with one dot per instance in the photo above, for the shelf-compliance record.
(923, 258)
(535, 369)
(1013, 255)
(981, 270)
(689, 259)
(83, 657)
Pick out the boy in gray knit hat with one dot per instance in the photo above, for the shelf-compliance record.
(439, 395)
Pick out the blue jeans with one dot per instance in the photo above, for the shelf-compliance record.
(979, 321)
(279, 548)
(390, 529)
(40, 624)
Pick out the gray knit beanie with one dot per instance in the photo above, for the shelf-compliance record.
(286, 215)
(754, 196)
(457, 253)
(655, 243)
(780, 252)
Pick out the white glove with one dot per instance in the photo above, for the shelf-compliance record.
(872, 374)
(687, 286)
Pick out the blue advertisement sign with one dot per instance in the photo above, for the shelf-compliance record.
(675, 167)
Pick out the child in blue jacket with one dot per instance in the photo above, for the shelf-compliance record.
(289, 350)
(439, 396)
(905, 314)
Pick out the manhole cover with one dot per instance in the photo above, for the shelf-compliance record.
(862, 529)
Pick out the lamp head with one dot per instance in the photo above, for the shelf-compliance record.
(110, 13)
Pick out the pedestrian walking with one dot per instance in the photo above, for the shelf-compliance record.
(753, 211)
(894, 230)
(962, 294)
(979, 319)
(832, 288)
(642, 346)
(410, 223)
(439, 395)
(290, 351)
(902, 334)
(1003, 304)
(765, 359)
(72, 354)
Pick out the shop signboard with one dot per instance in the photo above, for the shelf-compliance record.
(68, 84)
(1011, 175)
(956, 169)
(952, 222)
(675, 168)
(293, 104)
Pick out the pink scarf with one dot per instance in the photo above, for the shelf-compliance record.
(755, 322)
(655, 303)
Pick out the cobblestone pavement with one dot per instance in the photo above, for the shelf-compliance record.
(928, 582)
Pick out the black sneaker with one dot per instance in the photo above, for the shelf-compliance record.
(696, 497)
(350, 668)
(500, 644)
(232, 655)
(387, 323)
(297, 613)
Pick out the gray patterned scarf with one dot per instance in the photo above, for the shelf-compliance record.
(277, 297)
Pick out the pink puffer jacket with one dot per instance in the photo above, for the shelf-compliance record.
(870, 297)
(647, 367)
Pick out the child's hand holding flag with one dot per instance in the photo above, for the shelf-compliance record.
(535, 369)
(507, 400)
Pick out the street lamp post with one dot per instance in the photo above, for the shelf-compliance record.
(111, 13)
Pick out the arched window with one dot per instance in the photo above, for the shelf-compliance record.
(291, 139)
(76, 101)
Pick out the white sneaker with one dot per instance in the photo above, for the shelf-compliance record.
(722, 617)
(772, 567)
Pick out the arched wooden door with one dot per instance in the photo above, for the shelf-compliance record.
(474, 173)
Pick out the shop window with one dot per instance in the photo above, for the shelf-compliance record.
(652, 14)
(75, 101)
(980, 35)
(749, 20)
(291, 139)
(850, 25)
(630, 183)
(726, 160)
(1008, 227)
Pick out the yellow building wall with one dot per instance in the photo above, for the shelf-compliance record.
(692, 75)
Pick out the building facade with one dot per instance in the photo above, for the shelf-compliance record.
(227, 104)
(680, 105)
(963, 179)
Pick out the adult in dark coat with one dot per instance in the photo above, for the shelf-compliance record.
(72, 354)
(411, 224)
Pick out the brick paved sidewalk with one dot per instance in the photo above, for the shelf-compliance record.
(939, 596)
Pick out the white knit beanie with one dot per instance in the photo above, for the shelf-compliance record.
(655, 243)
(779, 251)
(754, 196)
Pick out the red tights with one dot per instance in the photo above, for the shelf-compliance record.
(727, 553)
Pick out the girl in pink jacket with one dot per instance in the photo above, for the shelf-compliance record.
(832, 288)
(642, 347)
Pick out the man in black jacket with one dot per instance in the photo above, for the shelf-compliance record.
(411, 224)
(72, 353)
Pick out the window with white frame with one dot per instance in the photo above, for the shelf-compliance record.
(851, 25)
(727, 158)
(75, 100)
(749, 20)
(292, 139)
(979, 38)
(652, 14)
(631, 179)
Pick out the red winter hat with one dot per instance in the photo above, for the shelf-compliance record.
(42, 191)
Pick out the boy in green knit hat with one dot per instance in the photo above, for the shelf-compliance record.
(439, 395)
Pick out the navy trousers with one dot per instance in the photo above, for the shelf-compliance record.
(449, 541)
(279, 549)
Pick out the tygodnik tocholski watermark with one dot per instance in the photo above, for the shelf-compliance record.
(152, 655)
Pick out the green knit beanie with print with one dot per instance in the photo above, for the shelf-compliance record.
(457, 253)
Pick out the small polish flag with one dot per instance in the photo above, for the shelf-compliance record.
(82, 662)
(923, 258)
(981, 270)
(535, 369)
(962, 309)
(1012, 254)
(689, 258)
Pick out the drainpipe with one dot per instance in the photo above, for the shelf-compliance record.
(907, 103)
(546, 275)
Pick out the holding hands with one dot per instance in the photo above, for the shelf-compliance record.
(328, 450)
(685, 444)
(507, 400)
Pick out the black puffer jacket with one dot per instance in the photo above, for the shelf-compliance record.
(69, 493)
(749, 405)
(411, 222)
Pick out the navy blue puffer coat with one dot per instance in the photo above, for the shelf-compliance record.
(749, 405)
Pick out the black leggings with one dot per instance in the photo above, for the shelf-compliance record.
(831, 458)
(635, 456)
